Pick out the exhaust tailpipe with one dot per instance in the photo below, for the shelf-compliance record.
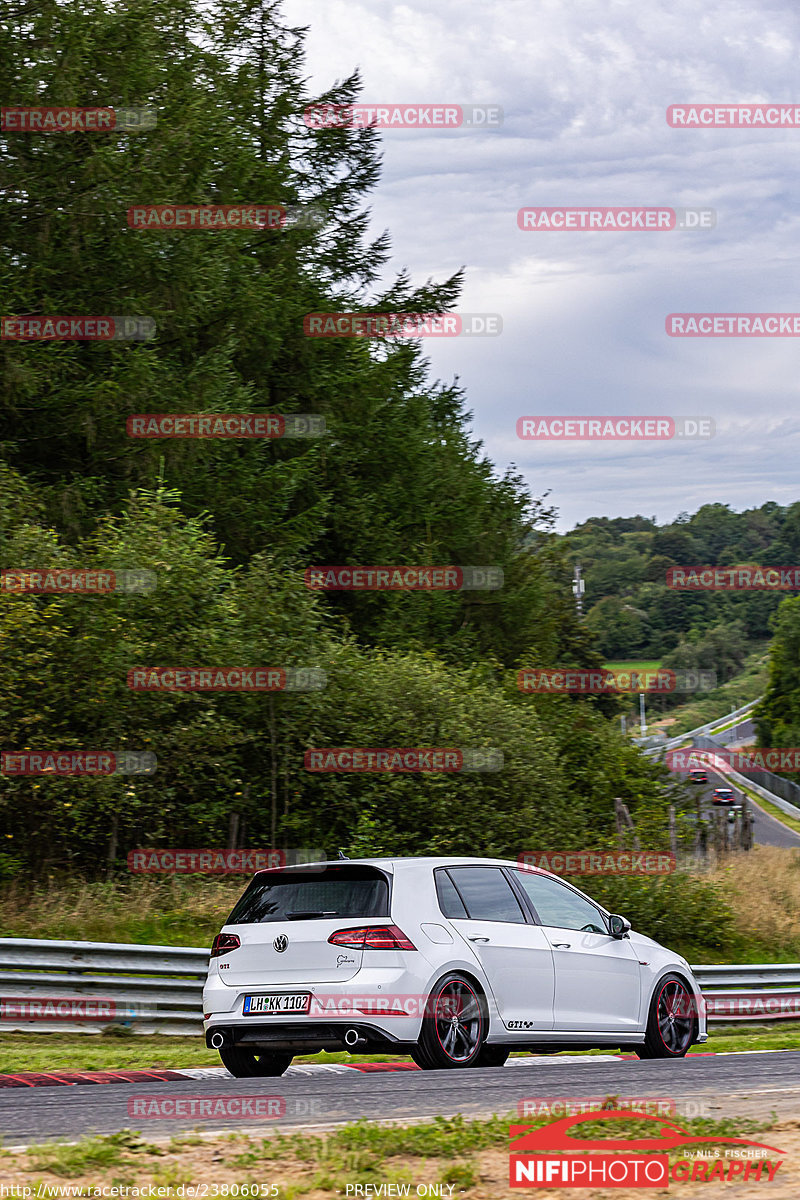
(217, 1040)
(353, 1038)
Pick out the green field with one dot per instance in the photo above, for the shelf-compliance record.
(634, 664)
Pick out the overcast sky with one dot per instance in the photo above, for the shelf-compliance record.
(584, 87)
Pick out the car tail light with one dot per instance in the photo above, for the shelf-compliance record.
(372, 937)
(224, 943)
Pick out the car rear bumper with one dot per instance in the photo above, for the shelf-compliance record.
(308, 1037)
(389, 1004)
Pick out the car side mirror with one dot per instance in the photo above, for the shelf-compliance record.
(618, 927)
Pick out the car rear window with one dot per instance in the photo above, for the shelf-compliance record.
(336, 891)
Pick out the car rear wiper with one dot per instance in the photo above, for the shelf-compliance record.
(299, 916)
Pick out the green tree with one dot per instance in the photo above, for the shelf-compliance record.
(618, 627)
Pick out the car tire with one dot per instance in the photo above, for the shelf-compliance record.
(246, 1063)
(671, 1021)
(454, 1027)
(492, 1056)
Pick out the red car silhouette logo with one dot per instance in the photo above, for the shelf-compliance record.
(555, 1136)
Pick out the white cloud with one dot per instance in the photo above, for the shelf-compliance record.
(585, 87)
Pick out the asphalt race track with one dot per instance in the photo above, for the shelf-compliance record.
(753, 1084)
(766, 830)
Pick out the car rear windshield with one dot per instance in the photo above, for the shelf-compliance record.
(336, 891)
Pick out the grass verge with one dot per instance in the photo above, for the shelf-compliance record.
(93, 1052)
(469, 1155)
(746, 686)
(186, 910)
(771, 809)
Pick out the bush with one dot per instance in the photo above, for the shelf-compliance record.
(687, 914)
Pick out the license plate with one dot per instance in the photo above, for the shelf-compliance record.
(277, 1002)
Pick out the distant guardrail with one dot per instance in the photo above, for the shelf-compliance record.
(708, 728)
(783, 793)
(776, 788)
(73, 987)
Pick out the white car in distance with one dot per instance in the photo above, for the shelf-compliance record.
(453, 961)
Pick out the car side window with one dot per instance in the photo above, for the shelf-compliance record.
(558, 906)
(487, 894)
(450, 902)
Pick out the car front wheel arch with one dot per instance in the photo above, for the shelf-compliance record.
(672, 1018)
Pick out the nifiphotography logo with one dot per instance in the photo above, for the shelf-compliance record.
(548, 1156)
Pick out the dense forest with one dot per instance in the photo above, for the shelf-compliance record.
(634, 613)
(228, 527)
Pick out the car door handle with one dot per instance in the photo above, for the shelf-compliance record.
(478, 939)
(562, 945)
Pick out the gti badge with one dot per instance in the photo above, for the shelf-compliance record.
(281, 943)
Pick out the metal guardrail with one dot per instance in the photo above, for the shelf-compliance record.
(708, 728)
(158, 989)
(776, 788)
(767, 975)
(150, 989)
(755, 992)
(773, 788)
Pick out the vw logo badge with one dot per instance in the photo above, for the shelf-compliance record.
(281, 943)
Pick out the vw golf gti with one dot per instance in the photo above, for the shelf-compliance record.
(453, 961)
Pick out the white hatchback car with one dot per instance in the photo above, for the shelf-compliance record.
(453, 961)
